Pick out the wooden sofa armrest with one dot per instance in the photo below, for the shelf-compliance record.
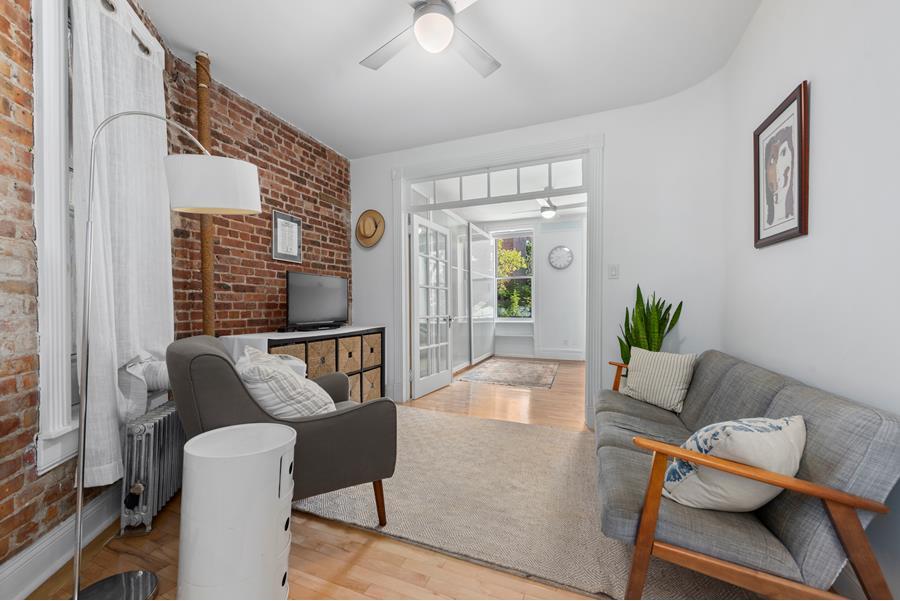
(840, 506)
(825, 493)
(619, 368)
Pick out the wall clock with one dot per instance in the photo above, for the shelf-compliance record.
(560, 257)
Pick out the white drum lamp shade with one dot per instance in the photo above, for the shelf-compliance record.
(200, 183)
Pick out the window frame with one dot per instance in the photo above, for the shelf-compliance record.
(57, 439)
(508, 235)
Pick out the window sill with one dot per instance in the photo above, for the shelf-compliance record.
(514, 320)
(56, 450)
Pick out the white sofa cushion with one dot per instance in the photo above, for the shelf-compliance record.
(775, 445)
(278, 388)
(661, 379)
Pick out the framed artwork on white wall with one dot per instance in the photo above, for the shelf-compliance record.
(781, 171)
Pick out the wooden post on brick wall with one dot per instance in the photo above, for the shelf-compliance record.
(207, 227)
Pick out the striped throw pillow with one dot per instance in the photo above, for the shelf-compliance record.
(279, 390)
(661, 379)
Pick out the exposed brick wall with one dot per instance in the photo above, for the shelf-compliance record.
(297, 174)
(29, 505)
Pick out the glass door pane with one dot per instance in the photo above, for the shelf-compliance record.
(430, 269)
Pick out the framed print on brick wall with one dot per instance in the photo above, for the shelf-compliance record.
(781, 171)
(287, 235)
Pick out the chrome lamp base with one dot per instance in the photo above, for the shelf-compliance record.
(137, 584)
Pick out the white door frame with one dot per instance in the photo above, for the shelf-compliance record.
(473, 360)
(402, 175)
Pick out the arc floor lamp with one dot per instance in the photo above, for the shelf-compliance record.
(198, 183)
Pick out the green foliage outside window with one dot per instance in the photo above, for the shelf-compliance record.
(514, 282)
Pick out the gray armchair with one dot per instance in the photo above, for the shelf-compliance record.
(354, 444)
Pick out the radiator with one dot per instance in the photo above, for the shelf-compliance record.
(154, 444)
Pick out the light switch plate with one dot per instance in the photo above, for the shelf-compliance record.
(613, 271)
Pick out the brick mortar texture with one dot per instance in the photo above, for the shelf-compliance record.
(298, 175)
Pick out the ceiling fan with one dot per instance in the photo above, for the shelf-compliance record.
(434, 28)
(548, 209)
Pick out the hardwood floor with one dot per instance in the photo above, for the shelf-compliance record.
(561, 406)
(330, 560)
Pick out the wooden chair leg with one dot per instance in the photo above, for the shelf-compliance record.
(379, 502)
(643, 542)
(859, 552)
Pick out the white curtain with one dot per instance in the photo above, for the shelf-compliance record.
(132, 309)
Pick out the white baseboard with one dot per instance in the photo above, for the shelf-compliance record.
(562, 354)
(29, 569)
(547, 353)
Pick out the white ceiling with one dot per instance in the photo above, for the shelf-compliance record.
(561, 58)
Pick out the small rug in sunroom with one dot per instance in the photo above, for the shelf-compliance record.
(528, 373)
(517, 497)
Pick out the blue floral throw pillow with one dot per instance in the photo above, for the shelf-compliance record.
(771, 444)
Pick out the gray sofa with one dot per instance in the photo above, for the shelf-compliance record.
(850, 447)
(354, 444)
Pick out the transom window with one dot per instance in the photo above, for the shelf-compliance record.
(542, 179)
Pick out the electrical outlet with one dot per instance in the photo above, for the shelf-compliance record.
(613, 271)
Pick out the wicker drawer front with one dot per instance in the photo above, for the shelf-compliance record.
(349, 354)
(294, 350)
(372, 384)
(355, 390)
(321, 358)
(371, 350)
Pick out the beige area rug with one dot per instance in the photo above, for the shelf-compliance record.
(513, 496)
(529, 373)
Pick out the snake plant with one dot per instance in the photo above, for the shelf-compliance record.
(647, 324)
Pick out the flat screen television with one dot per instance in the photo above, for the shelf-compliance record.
(316, 301)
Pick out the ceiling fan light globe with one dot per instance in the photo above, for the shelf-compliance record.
(433, 27)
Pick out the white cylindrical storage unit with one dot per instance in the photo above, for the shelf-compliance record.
(236, 513)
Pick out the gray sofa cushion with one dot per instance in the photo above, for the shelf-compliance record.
(615, 402)
(850, 447)
(711, 367)
(744, 391)
(618, 429)
(737, 537)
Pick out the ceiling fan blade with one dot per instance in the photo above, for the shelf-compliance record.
(377, 59)
(460, 5)
(474, 54)
(457, 5)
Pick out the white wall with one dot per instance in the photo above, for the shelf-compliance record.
(662, 213)
(559, 327)
(822, 308)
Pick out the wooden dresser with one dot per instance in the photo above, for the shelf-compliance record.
(357, 351)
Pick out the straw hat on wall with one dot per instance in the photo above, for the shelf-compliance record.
(369, 228)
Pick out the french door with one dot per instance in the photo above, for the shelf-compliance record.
(430, 254)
